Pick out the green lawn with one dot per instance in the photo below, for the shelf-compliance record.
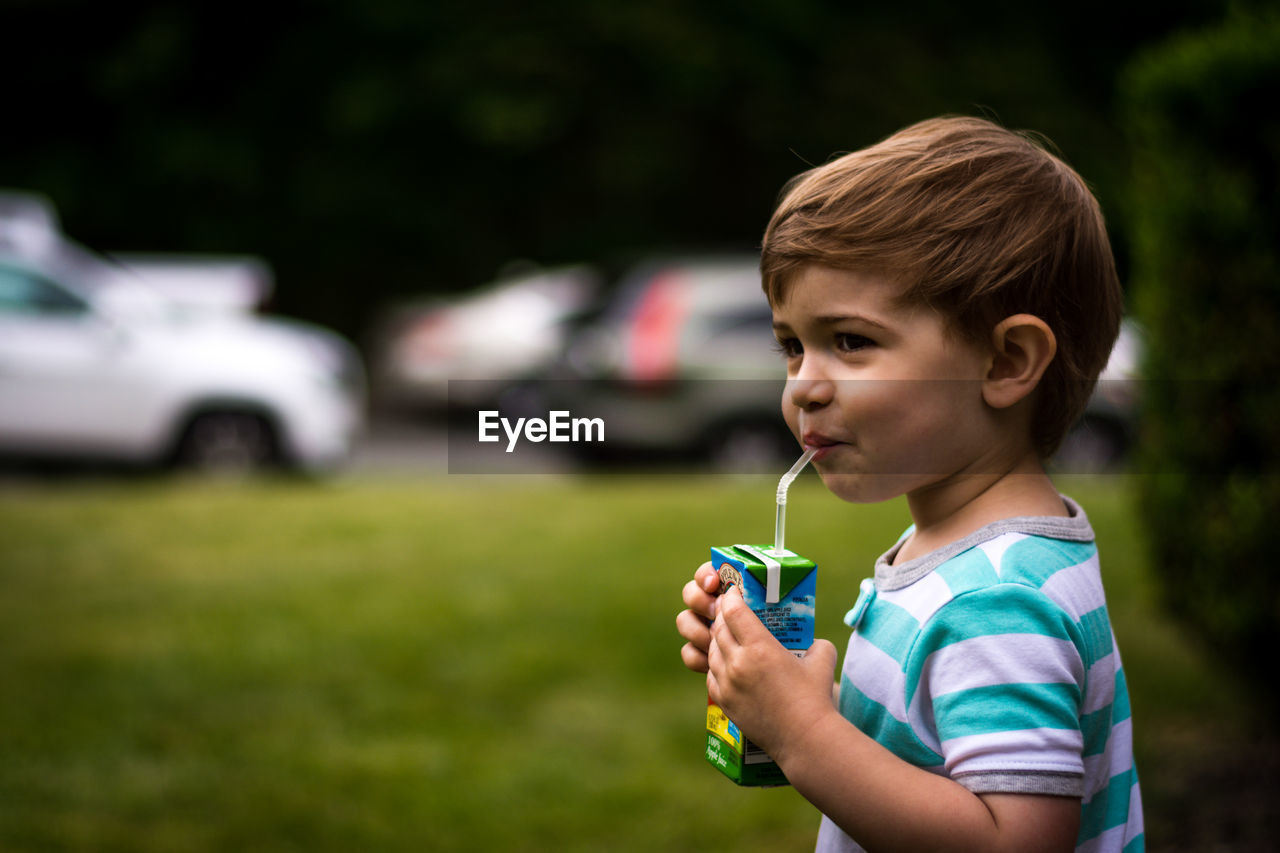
(453, 664)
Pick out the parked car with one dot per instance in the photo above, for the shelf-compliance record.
(428, 355)
(680, 363)
(204, 283)
(28, 214)
(95, 364)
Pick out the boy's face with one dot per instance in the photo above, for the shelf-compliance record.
(892, 398)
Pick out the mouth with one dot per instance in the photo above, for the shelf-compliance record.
(823, 444)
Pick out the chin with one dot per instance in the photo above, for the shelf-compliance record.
(862, 488)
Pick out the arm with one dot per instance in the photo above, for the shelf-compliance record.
(784, 704)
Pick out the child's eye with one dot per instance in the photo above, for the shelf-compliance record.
(788, 347)
(846, 342)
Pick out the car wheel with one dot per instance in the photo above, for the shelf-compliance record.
(227, 443)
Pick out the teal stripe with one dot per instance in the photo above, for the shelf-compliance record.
(968, 571)
(1035, 560)
(1006, 707)
(1108, 808)
(1003, 609)
(1095, 626)
(875, 721)
(1096, 728)
(1121, 710)
(890, 628)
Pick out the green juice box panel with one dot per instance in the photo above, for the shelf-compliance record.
(781, 587)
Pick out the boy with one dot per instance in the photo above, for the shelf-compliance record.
(945, 301)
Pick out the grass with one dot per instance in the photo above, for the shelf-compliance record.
(455, 664)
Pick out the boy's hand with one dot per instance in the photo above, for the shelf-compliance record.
(763, 687)
(694, 624)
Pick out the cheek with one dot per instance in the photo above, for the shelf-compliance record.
(904, 425)
(791, 414)
(902, 402)
(877, 403)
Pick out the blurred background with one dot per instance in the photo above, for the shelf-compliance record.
(386, 150)
(295, 236)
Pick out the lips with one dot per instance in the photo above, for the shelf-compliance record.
(823, 443)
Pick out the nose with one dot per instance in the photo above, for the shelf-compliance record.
(810, 388)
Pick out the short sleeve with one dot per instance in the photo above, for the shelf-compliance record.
(999, 678)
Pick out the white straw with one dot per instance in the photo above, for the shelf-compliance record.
(780, 522)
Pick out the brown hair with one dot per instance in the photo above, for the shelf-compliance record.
(977, 222)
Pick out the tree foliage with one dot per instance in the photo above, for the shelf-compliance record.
(385, 147)
(1206, 140)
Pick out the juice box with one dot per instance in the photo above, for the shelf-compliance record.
(781, 587)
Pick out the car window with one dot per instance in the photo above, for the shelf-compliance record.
(23, 292)
(750, 319)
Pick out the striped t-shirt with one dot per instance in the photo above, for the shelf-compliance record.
(992, 661)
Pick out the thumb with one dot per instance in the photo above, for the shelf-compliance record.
(821, 655)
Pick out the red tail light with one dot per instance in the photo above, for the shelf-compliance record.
(653, 354)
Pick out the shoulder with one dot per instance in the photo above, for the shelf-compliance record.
(1011, 585)
(995, 564)
(1027, 543)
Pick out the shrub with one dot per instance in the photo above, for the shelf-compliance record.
(1205, 222)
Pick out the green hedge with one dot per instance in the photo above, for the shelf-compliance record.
(1206, 283)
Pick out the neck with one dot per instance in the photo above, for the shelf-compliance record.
(946, 512)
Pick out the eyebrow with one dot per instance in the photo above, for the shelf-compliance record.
(835, 319)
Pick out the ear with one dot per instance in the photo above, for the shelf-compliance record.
(1022, 348)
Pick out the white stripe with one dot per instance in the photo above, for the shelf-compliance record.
(922, 721)
(1002, 659)
(1115, 759)
(877, 675)
(922, 598)
(1047, 750)
(995, 548)
(1134, 825)
(1101, 690)
(1078, 588)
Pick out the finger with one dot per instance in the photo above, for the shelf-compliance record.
(707, 578)
(822, 656)
(739, 619)
(698, 601)
(693, 628)
(721, 633)
(715, 656)
(691, 593)
(693, 658)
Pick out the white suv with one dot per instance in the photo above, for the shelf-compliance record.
(94, 364)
